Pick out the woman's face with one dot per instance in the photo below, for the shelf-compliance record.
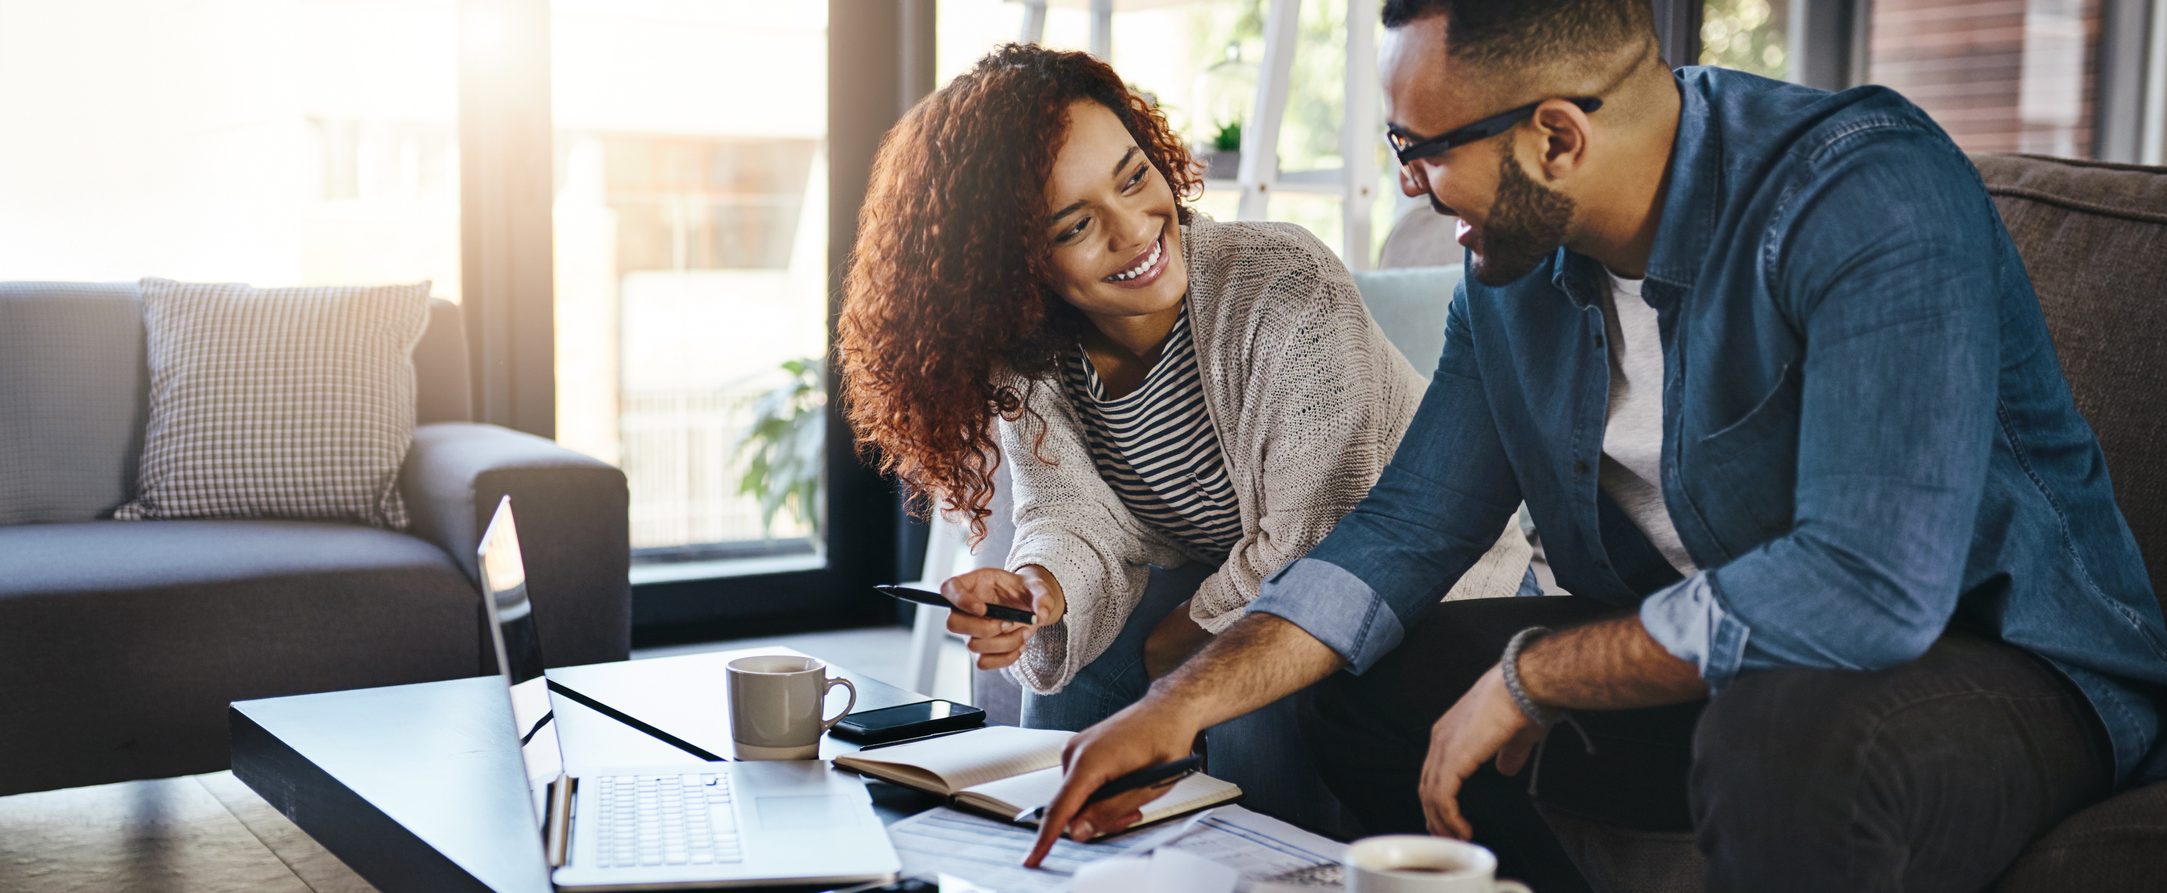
(1116, 243)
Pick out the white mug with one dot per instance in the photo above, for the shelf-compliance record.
(1416, 863)
(775, 703)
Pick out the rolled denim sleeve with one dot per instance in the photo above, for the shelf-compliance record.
(1334, 606)
(1689, 621)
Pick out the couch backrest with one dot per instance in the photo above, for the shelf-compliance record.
(2094, 239)
(74, 394)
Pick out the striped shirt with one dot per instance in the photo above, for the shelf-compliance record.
(1156, 447)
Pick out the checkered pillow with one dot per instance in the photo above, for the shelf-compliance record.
(278, 403)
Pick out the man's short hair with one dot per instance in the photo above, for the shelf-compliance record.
(1513, 34)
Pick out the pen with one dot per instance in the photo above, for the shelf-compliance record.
(920, 596)
(1149, 776)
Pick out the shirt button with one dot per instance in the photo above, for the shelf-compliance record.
(1598, 341)
(1580, 467)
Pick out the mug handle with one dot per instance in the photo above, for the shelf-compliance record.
(826, 724)
(1511, 887)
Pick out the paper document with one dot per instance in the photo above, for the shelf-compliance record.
(1269, 853)
(1166, 870)
(989, 853)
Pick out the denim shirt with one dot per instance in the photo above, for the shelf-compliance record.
(1866, 435)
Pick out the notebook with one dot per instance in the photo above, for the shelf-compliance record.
(1008, 773)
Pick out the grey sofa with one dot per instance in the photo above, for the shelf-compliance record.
(121, 642)
(2094, 238)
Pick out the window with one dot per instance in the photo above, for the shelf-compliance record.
(2013, 76)
(1748, 35)
(279, 142)
(691, 255)
(1201, 60)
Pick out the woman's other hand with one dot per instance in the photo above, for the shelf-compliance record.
(1172, 641)
(999, 643)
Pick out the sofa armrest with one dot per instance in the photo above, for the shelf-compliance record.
(574, 528)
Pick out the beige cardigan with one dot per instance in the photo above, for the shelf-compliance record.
(1309, 401)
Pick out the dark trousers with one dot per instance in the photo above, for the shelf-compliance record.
(1932, 775)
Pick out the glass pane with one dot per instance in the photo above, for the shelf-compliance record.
(691, 251)
(278, 142)
(2000, 77)
(1747, 35)
(1201, 60)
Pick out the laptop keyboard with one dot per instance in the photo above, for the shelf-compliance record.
(655, 820)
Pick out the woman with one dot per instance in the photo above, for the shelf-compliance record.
(1167, 390)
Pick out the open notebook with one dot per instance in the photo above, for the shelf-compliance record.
(1009, 772)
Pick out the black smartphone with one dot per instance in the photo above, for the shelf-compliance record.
(908, 721)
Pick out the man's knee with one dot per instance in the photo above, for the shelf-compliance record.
(1781, 735)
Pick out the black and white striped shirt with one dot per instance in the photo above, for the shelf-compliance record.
(1155, 446)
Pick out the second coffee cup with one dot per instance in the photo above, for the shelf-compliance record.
(776, 704)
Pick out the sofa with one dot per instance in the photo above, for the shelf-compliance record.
(2094, 238)
(122, 642)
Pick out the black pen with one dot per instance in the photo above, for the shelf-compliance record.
(1149, 776)
(994, 612)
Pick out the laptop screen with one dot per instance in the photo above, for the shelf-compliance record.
(518, 647)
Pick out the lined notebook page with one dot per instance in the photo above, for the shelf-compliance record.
(971, 758)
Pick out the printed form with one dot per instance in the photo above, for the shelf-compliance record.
(949, 845)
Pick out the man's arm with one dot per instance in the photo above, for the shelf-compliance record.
(1606, 665)
(1258, 660)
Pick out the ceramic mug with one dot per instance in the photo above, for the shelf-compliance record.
(1416, 863)
(775, 704)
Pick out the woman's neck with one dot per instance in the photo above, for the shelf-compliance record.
(1124, 348)
(1132, 338)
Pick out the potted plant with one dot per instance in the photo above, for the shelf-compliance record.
(1224, 160)
(782, 449)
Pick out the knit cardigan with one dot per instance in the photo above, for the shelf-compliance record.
(1309, 400)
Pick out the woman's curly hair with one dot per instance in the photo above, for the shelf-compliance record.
(946, 295)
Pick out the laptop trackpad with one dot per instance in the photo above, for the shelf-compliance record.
(801, 813)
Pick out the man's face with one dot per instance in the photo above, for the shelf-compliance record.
(1509, 222)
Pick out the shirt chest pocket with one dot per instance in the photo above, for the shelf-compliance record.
(1743, 476)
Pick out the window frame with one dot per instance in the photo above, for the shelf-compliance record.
(507, 171)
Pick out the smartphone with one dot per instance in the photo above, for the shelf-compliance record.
(908, 721)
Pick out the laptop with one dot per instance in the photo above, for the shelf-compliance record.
(662, 827)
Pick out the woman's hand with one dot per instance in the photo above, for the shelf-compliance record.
(999, 643)
(1172, 641)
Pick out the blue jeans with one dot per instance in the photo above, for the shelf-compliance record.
(1262, 751)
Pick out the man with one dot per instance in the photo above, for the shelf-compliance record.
(1851, 596)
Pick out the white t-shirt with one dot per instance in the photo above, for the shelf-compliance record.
(1633, 428)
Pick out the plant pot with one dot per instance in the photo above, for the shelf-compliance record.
(1220, 165)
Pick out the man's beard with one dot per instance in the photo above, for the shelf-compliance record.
(1527, 224)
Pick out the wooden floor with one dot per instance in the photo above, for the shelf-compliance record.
(194, 834)
(211, 834)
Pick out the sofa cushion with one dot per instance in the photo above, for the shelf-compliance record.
(2094, 239)
(2115, 846)
(71, 413)
(121, 643)
(278, 403)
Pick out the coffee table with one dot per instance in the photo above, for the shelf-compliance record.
(418, 787)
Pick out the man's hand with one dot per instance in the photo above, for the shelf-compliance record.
(1484, 723)
(999, 643)
(1140, 736)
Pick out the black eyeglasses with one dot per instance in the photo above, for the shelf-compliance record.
(1411, 148)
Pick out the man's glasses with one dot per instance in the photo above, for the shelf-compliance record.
(1411, 148)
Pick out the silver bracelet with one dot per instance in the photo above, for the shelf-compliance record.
(1539, 714)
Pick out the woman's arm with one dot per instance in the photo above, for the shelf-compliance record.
(1071, 526)
(1334, 398)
